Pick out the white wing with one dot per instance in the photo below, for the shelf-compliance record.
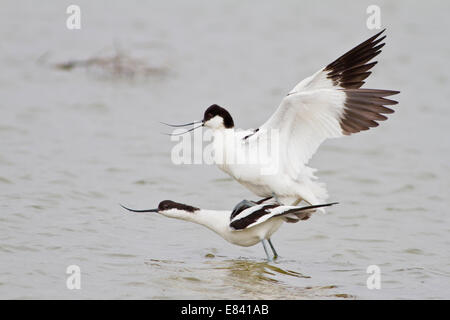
(328, 104)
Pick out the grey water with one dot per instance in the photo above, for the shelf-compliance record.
(77, 139)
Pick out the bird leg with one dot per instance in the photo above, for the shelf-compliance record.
(263, 241)
(275, 254)
(276, 198)
(296, 202)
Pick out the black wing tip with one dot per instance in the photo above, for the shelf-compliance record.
(370, 93)
(322, 205)
(316, 206)
(375, 37)
(364, 107)
(348, 71)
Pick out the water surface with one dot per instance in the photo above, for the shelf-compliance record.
(75, 142)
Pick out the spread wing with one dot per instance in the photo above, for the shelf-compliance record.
(260, 213)
(328, 104)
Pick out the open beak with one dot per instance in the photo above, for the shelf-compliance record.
(183, 125)
(148, 210)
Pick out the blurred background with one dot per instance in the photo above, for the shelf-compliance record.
(79, 134)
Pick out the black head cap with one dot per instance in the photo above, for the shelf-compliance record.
(169, 204)
(216, 110)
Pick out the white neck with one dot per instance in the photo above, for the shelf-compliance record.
(217, 221)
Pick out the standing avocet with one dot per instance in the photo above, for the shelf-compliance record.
(248, 223)
(328, 104)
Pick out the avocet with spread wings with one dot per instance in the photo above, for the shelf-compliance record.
(328, 104)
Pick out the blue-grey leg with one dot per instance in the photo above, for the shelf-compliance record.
(276, 198)
(263, 241)
(275, 254)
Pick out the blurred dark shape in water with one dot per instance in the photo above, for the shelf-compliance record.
(118, 65)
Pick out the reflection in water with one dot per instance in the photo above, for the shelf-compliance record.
(254, 271)
(239, 279)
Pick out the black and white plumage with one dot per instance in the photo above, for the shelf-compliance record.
(329, 104)
(250, 216)
(246, 225)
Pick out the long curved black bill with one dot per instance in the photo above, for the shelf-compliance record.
(178, 134)
(181, 125)
(132, 210)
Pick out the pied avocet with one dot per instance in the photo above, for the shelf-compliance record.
(328, 104)
(246, 225)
